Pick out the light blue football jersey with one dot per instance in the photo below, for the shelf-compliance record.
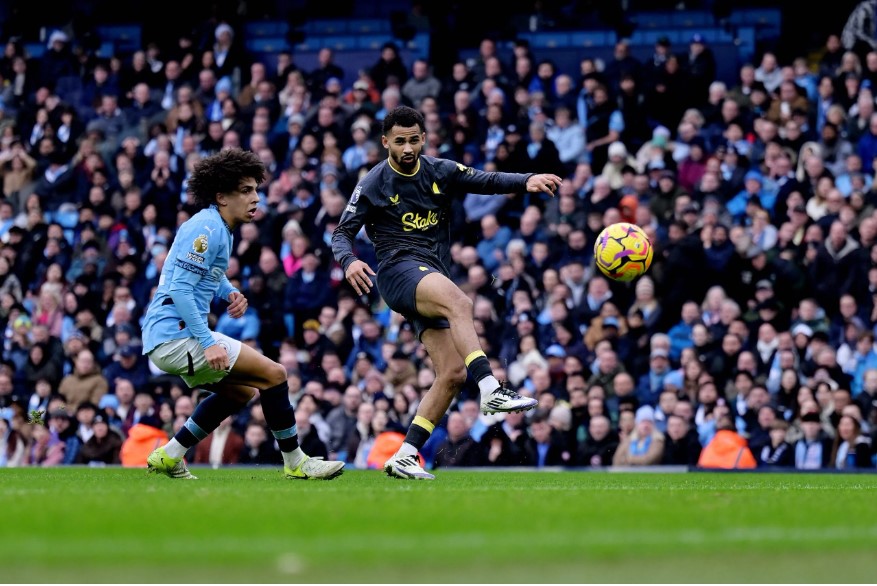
(193, 274)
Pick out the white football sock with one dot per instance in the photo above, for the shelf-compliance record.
(175, 449)
(294, 458)
(407, 450)
(487, 385)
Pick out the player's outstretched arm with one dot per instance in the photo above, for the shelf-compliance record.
(497, 182)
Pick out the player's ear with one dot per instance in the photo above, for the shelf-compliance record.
(221, 200)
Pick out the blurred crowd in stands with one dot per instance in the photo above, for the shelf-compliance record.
(750, 342)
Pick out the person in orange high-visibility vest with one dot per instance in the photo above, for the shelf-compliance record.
(728, 449)
(386, 444)
(143, 437)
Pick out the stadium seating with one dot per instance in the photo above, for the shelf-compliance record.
(267, 45)
(370, 27)
(265, 29)
(767, 21)
(126, 38)
(352, 39)
(35, 50)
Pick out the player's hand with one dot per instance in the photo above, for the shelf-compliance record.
(216, 357)
(358, 275)
(545, 182)
(237, 304)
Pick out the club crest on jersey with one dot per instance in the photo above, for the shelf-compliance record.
(464, 169)
(200, 244)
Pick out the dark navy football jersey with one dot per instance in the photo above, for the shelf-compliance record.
(408, 216)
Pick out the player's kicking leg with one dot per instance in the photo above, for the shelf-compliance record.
(439, 297)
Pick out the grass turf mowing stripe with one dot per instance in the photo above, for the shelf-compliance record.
(115, 525)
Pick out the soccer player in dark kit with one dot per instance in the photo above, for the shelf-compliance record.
(405, 204)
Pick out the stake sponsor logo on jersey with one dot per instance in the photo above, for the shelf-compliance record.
(414, 221)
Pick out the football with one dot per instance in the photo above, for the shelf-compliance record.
(623, 252)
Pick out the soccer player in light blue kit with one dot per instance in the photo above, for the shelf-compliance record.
(175, 333)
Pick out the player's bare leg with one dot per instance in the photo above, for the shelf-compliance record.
(251, 372)
(438, 297)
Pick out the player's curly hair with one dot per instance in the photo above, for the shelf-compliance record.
(405, 117)
(223, 173)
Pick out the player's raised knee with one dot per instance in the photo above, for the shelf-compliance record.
(461, 305)
(275, 374)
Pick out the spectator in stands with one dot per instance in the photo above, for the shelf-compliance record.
(257, 449)
(768, 72)
(778, 452)
(307, 291)
(651, 385)
(227, 52)
(143, 437)
(813, 449)
(681, 446)
(58, 61)
(727, 449)
(851, 449)
(459, 449)
(38, 452)
(603, 126)
(312, 411)
(63, 439)
(342, 423)
(12, 446)
(545, 446)
(600, 445)
(246, 328)
(421, 84)
(494, 239)
(103, 446)
(222, 447)
(85, 383)
(700, 68)
(503, 443)
(645, 445)
(128, 364)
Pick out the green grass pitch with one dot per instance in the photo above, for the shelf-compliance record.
(250, 525)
